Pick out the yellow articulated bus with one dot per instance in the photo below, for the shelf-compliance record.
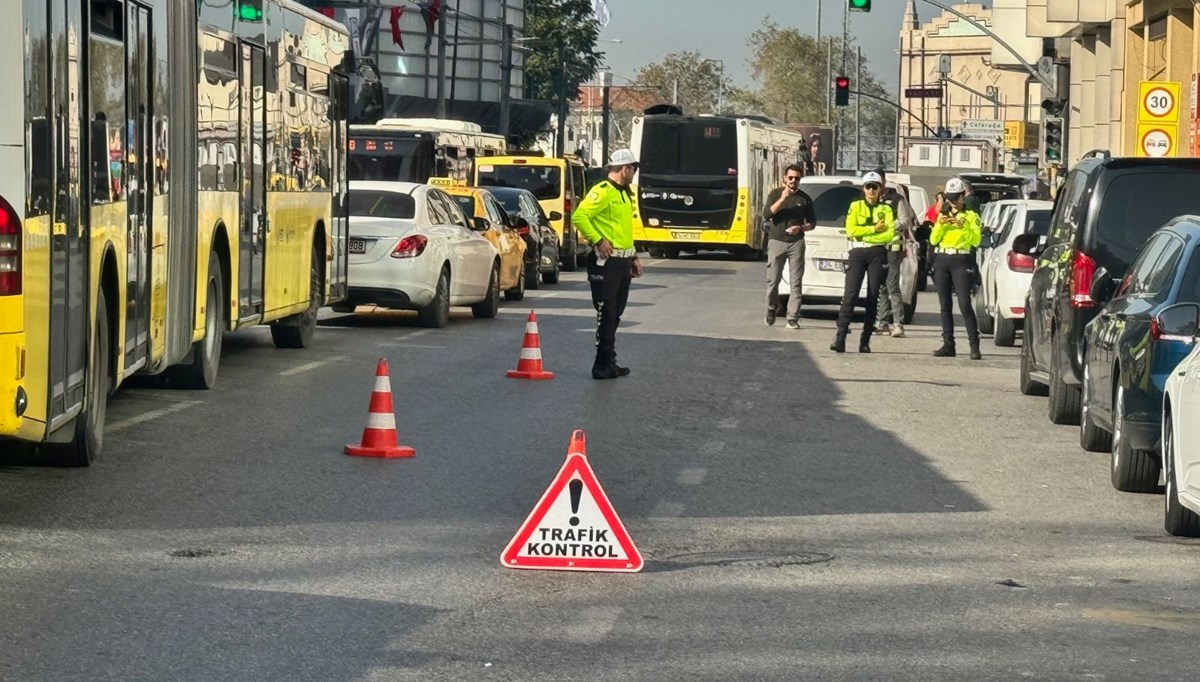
(173, 170)
(703, 180)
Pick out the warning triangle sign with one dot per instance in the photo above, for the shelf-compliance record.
(573, 527)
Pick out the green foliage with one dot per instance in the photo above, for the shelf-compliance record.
(696, 78)
(559, 28)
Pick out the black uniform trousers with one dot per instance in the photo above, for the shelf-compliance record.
(610, 291)
(956, 270)
(866, 261)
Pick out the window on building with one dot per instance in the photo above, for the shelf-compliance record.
(964, 154)
(924, 153)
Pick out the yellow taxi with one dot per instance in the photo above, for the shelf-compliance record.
(489, 217)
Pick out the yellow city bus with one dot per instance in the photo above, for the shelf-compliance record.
(173, 170)
(703, 180)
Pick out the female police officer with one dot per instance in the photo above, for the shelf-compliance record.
(956, 232)
(870, 227)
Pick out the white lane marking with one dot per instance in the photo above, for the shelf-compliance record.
(113, 427)
(658, 261)
(592, 625)
(409, 345)
(667, 510)
(712, 447)
(552, 295)
(728, 423)
(304, 368)
(694, 476)
(416, 334)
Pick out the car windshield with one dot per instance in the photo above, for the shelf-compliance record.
(831, 203)
(545, 182)
(511, 201)
(369, 203)
(1137, 204)
(1038, 222)
(466, 203)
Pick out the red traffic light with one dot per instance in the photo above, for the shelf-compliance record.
(842, 82)
(841, 91)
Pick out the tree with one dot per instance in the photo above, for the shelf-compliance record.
(558, 28)
(694, 78)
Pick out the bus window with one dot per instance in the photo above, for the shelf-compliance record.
(391, 159)
(545, 182)
(693, 147)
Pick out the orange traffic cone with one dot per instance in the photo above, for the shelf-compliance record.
(529, 366)
(379, 437)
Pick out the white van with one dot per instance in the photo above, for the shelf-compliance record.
(826, 248)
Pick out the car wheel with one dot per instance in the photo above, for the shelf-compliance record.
(1177, 519)
(982, 318)
(1004, 331)
(1064, 399)
(1091, 437)
(1133, 471)
(552, 276)
(532, 280)
(1028, 385)
(490, 306)
(518, 292)
(437, 313)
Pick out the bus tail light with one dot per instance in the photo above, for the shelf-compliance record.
(10, 250)
(410, 247)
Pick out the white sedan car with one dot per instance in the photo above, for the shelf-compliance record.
(826, 248)
(1181, 434)
(411, 248)
(1004, 274)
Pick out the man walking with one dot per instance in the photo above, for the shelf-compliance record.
(891, 302)
(790, 212)
(605, 217)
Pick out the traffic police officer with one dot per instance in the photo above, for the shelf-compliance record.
(605, 217)
(956, 232)
(870, 227)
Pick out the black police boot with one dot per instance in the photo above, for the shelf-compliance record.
(605, 372)
(864, 343)
(946, 351)
(975, 354)
(839, 344)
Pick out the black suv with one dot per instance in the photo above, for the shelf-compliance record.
(1107, 208)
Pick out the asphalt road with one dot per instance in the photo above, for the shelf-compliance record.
(803, 515)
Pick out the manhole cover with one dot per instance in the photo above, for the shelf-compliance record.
(749, 559)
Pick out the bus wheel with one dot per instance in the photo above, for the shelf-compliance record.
(296, 331)
(201, 372)
(657, 252)
(567, 257)
(671, 252)
(86, 443)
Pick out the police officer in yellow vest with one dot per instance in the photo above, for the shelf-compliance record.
(605, 217)
(870, 227)
(956, 232)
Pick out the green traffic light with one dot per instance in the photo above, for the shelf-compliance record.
(248, 12)
(860, 5)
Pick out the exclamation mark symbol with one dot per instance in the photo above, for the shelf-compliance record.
(576, 487)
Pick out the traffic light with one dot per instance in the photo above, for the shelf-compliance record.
(841, 91)
(249, 10)
(1052, 140)
(860, 5)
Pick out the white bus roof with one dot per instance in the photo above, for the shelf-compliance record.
(430, 124)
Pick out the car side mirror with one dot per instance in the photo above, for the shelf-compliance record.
(1102, 287)
(1028, 244)
(987, 240)
(555, 215)
(1179, 322)
(480, 224)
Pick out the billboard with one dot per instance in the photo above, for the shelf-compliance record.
(817, 153)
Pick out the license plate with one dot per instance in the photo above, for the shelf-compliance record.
(686, 235)
(357, 246)
(831, 265)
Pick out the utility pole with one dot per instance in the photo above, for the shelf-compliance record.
(506, 66)
(560, 142)
(675, 92)
(605, 86)
(828, 83)
(858, 119)
(819, 22)
(441, 67)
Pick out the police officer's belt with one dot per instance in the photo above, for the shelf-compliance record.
(863, 245)
(895, 247)
(958, 251)
(623, 253)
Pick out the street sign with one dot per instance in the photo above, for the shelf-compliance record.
(573, 527)
(1157, 141)
(1021, 135)
(924, 92)
(1158, 101)
(982, 125)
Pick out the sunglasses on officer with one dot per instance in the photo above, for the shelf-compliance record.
(871, 187)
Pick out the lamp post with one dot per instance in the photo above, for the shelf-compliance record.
(720, 80)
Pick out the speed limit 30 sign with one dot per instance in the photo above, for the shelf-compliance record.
(1158, 101)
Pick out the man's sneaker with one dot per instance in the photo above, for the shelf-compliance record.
(793, 324)
(946, 351)
(622, 371)
(898, 331)
(770, 319)
(881, 328)
(605, 372)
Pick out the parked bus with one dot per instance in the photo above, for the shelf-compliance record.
(173, 170)
(416, 149)
(703, 180)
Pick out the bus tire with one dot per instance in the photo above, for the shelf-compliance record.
(296, 331)
(88, 439)
(201, 372)
(671, 252)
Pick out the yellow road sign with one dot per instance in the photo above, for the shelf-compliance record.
(1158, 101)
(1156, 140)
